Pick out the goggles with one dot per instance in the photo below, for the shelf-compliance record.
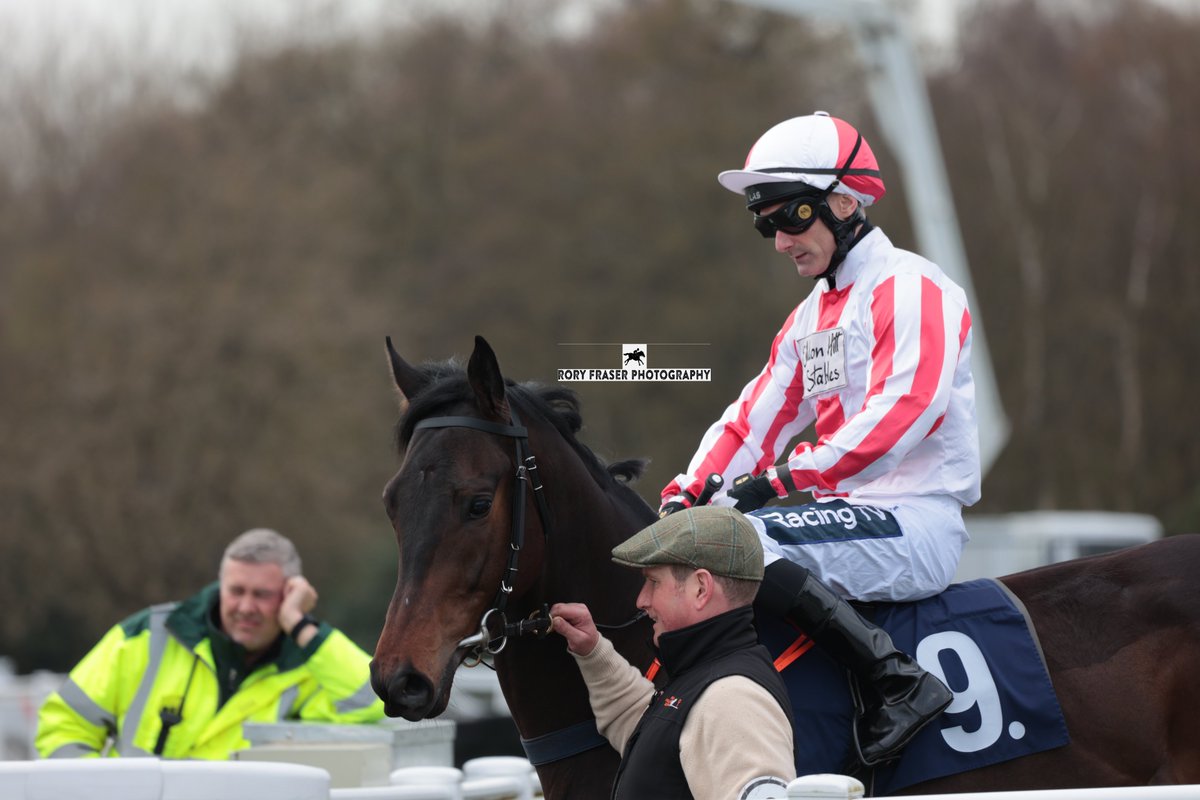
(793, 217)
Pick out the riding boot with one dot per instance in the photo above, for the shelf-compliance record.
(898, 698)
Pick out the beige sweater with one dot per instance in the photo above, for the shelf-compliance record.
(735, 733)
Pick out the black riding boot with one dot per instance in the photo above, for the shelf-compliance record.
(899, 698)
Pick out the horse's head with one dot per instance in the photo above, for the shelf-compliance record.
(449, 508)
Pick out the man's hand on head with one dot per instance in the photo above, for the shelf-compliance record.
(299, 598)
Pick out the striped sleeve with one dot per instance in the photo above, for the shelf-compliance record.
(755, 428)
(917, 334)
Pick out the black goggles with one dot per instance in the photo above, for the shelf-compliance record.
(793, 217)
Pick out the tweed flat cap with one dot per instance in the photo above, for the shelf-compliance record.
(719, 540)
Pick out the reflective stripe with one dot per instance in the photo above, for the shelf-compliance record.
(87, 708)
(73, 750)
(285, 701)
(361, 699)
(158, 645)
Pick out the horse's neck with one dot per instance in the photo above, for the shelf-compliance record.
(540, 679)
(589, 519)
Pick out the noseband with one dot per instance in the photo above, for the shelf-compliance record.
(494, 628)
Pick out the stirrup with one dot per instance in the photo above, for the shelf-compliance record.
(860, 713)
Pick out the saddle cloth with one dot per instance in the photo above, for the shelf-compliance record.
(977, 639)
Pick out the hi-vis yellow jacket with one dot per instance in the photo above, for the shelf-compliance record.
(162, 658)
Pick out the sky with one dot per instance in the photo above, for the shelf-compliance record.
(193, 28)
(200, 33)
(63, 39)
(179, 32)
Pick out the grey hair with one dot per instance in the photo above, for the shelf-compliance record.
(264, 546)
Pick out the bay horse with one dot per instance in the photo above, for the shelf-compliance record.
(1120, 632)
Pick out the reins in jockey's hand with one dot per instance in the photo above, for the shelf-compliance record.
(712, 485)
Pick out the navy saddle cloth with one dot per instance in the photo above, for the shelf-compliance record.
(977, 640)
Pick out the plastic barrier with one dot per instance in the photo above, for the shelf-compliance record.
(442, 778)
(409, 744)
(20, 698)
(1190, 792)
(151, 779)
(504, 788)
(825, 787)
(842, 787)
(491, 778)
(518, 772)
(429, 792)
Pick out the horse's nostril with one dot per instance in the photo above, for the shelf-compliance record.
(407, 693)
(414, 692)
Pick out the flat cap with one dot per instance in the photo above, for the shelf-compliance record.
(720, 540)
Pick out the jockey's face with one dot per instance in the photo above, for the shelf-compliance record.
(812, 249)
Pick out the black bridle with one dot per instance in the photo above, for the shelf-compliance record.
(494, 628)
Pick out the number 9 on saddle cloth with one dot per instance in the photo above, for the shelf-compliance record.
(977, 640)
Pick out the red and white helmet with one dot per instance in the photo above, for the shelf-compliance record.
(811, 150)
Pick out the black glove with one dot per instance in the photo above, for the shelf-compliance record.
(670, 508)
(752, 493)
(688, 501)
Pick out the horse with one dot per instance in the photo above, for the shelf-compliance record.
(1120, 632)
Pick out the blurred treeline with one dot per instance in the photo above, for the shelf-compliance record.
(196, 277)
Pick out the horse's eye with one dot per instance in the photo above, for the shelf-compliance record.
(479, 507)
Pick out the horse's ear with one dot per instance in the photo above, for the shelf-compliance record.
(409, 380)
(483, 372)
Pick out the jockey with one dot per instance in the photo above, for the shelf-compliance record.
(878, 357)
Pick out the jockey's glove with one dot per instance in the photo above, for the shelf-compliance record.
(670, 508)
(752, 493)
(679, 502)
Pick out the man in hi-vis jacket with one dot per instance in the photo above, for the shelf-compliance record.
(178, 680)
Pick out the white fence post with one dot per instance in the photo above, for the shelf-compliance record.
(825, 786)
(513, 768)
(1191, 792)
(450, 777)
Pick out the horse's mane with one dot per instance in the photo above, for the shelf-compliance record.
(448, 386)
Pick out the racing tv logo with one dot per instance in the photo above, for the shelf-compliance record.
(634, 365)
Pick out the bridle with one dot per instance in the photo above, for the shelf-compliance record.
(494, 628)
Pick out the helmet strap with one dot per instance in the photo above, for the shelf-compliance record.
(843, 229)
(844, 236)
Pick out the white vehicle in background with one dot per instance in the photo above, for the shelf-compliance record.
(1005, 543)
